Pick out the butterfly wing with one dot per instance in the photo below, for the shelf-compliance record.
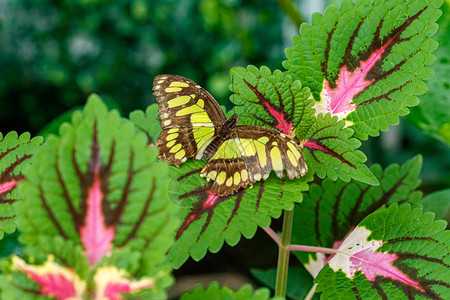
(189, 116)
(249, 155)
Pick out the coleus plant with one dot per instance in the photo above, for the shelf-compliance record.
(102, 217)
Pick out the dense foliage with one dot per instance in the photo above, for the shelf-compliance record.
(99, 215)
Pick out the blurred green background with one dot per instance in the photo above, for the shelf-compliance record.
(53, 54)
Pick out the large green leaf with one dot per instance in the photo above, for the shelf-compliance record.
(394, 253)
(433, 113)
(438, 203)
(100, 201)
(15, 153)
(276, 101)
(365, 62)
(330, 211)
(210, 220)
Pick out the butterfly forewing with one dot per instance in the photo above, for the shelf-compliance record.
(189, 117)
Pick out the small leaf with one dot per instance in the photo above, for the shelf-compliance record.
(215, 292)
(438, 203)
(52, 279)
(395, 252)
(210, 220)
(272, 100)
(147, 122)
(330, 151)
(365, 62)
(15, 154)
(299, 281)
(330, 211)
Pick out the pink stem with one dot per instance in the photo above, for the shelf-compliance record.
(273, 235)
(303, 248)
(312, 249)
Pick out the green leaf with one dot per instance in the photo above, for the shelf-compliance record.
(438, 203)
(330, 211)
(299, 281)
(99, 193)
(395, 253)
(215, 292)
(365, 62)
(272, 100)
(330, 151)
(15, 154)
(211, 220)
(433, 113)
(10, 245)
(147, 122)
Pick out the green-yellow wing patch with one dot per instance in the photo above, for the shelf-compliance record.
(249, 155)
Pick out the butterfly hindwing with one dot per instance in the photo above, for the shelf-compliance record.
(189, 117)
(175, 145)
(249, 154)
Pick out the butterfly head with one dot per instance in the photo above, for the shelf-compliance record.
(234, 119)
(229, 125)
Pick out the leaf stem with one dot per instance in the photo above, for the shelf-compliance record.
(311, 292)
(291, 11)
(312, 249)
(275, 237)
(283, 254)
(303, 248)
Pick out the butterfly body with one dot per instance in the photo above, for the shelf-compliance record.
(194, 125)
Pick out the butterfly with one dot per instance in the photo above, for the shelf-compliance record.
(194, 126)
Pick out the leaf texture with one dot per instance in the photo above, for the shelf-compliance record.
(210, 220)
(214, 291)
(365, 62)
(433, 114)
(15, 153)
(395, 253)
(272, 100)
(147, 122)
(102, 194)
(330, 151)
(330, 211)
